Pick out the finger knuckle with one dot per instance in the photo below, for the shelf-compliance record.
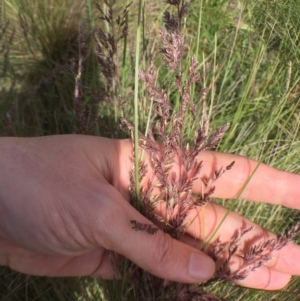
(162, 255)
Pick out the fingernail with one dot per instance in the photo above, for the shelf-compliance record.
(201, 267)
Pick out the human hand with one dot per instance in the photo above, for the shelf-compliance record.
(63, 205)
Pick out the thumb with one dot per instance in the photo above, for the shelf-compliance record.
(159, 254)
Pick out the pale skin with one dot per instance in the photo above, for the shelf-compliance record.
(64, 204)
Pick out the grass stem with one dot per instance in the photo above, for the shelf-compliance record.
(136, 103)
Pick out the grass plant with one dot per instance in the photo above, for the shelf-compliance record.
(253, 83)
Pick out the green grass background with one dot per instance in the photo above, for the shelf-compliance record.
(253, 49)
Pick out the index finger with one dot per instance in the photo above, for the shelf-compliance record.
(251, 180)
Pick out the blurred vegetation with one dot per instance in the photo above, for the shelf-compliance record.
(253, 51)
